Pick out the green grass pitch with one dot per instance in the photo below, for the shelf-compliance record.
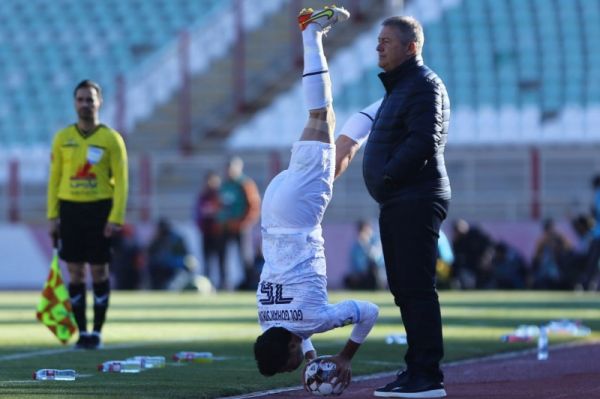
(153, 323)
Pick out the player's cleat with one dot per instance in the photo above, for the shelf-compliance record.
(83, 341)
(95, 341)
(324, 18)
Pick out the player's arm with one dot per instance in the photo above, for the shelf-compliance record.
(367, 316)
(309, 350)
(352, 135)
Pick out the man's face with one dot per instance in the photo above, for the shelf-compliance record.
(87, 103)
(296, 356)
(392, 51)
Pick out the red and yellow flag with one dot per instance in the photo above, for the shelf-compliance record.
(54, 309)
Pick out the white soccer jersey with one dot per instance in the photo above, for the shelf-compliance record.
(292, 292)
(303, 308)
(292, 210)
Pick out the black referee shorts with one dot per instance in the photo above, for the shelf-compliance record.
(82, 231)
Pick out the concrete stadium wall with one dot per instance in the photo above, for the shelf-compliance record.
(25, 250)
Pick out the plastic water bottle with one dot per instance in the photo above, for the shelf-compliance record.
(120, 366)
(196, 357)
(542, 353)
(55, 375)
(527, 330)
(514, 338)
(149, 362)
(396, 339)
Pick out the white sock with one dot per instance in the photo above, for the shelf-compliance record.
(316, 83)
(314, 56)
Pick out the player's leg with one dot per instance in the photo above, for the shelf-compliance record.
(298, 196)
(316, 82)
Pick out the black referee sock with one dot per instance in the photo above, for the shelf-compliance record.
(101, 295)
(77, 294)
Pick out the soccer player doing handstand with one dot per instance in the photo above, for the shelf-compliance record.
(292, 293)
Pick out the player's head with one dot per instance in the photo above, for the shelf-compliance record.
(400, 38)
(277, 350)
(88, 99)
(235, 167)
(212, 180)
(548, 225)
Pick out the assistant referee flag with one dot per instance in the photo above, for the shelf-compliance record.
(54, 309)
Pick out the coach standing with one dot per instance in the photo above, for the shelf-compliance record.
(87, 196)
(404, 172)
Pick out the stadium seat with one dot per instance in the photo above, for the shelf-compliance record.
(42, 55)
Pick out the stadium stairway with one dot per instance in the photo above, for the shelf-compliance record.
(272, 63)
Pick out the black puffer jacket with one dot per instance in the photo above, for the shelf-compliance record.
(404, 155)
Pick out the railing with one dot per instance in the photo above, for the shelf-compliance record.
(508, 183)
(154, 82)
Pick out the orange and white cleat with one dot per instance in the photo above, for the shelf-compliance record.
(324, 18)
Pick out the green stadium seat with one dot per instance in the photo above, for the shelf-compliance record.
(41, 54)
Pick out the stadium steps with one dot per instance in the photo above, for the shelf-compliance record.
(208, 92)
(214, 114)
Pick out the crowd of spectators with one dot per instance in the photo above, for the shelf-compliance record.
(225, 211)
(557, 263)
(469, 257)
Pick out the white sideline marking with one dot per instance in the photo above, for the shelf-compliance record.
(32, 381)
(25, 355)
(499, 356)
(46, 352)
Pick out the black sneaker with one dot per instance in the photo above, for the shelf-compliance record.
(83, 341)
(95, 341)
(401, 377)
(411, 387)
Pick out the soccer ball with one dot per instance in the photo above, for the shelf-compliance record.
(318, 376)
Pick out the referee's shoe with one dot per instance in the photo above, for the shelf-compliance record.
(95, 341)
(83, 341)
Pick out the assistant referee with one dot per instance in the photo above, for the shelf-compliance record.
(87, 196)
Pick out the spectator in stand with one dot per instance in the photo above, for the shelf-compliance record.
(127, 262)
(551, 250)
(509, 267)
(592, 272)
(167, 254)
(208, 205)
(473, 251)
(575, 273)
(366, 260)
(240, 209)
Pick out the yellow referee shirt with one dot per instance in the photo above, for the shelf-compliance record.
(88, 168)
